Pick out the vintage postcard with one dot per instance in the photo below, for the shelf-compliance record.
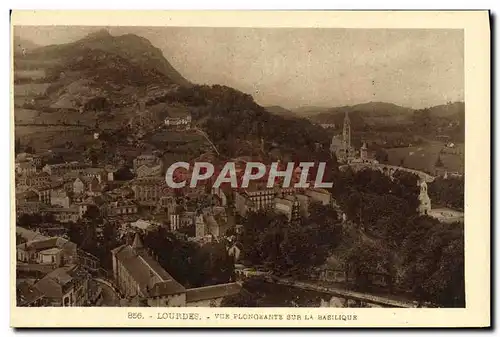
(250, 169)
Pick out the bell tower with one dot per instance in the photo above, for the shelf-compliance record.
(346, 133)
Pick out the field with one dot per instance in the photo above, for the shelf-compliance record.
(31, 89)
(29, 74)
(424, 157)
(179, 145)
(43, 138)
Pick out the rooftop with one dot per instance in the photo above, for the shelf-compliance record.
(212, 292)
(26, 293)
(146, 271)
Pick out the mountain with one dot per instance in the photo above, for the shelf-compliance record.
(100, 78)
(307, 111)
(121, 68)
(450, 110)
(371, 113)
(280, 111)
(21, 44)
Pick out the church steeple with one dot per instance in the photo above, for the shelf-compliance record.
(346, 133)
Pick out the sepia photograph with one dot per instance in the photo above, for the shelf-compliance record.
(239, 167)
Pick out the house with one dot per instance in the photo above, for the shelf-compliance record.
(177, 118)
(29, 157)
(148, 191)
(141, 279)
(63, 168)
(319, 195)
(62, 214)
(29, 235)
(216, 221)
(288, 206)
(33, 180)
(28, 207)
(96, 172)
(26, 168)
(29, 296)
(143, 225)
(211, 296)
(138, 274)
(55, 251)
(31, 200)
(43, 193)
(145, 159)
(65, 286)
(145, 171)
(122, 207)
(87, 185)
(60, 198)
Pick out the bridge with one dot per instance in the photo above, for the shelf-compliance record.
(369, 299)
(389, 169)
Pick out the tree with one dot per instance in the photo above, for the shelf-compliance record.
(18, 145)
(381, 156)
(123, 174)
(243, 299)
(439, 163)
(433, 255)
(19, 239)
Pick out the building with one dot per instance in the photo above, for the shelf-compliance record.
(211, 296)
(96, 172)
(64, 215)
(180, 219)
(289, 206)
(60, 198)
(26, 168)
(66, 286)
(88, 185)
(63, 168)
(258, 197)
(319, 195)
(28, 207)
(43, 193)
(29, 157)
(33, 180)
(141, 279)
(148, 191)
(138, 274)
(216, 221)
(54, 251)
(343, 149)
(29, 296)
(29, 235)
(122, 207)
(145, 171)
(145, 160)
(180, 120)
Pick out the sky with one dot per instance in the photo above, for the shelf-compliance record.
(306, 66)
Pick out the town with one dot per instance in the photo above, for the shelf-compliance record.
(165, 193)
(300, 171)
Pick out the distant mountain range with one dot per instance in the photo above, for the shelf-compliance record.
(371, 113)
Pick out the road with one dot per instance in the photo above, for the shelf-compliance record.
(109, 297)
